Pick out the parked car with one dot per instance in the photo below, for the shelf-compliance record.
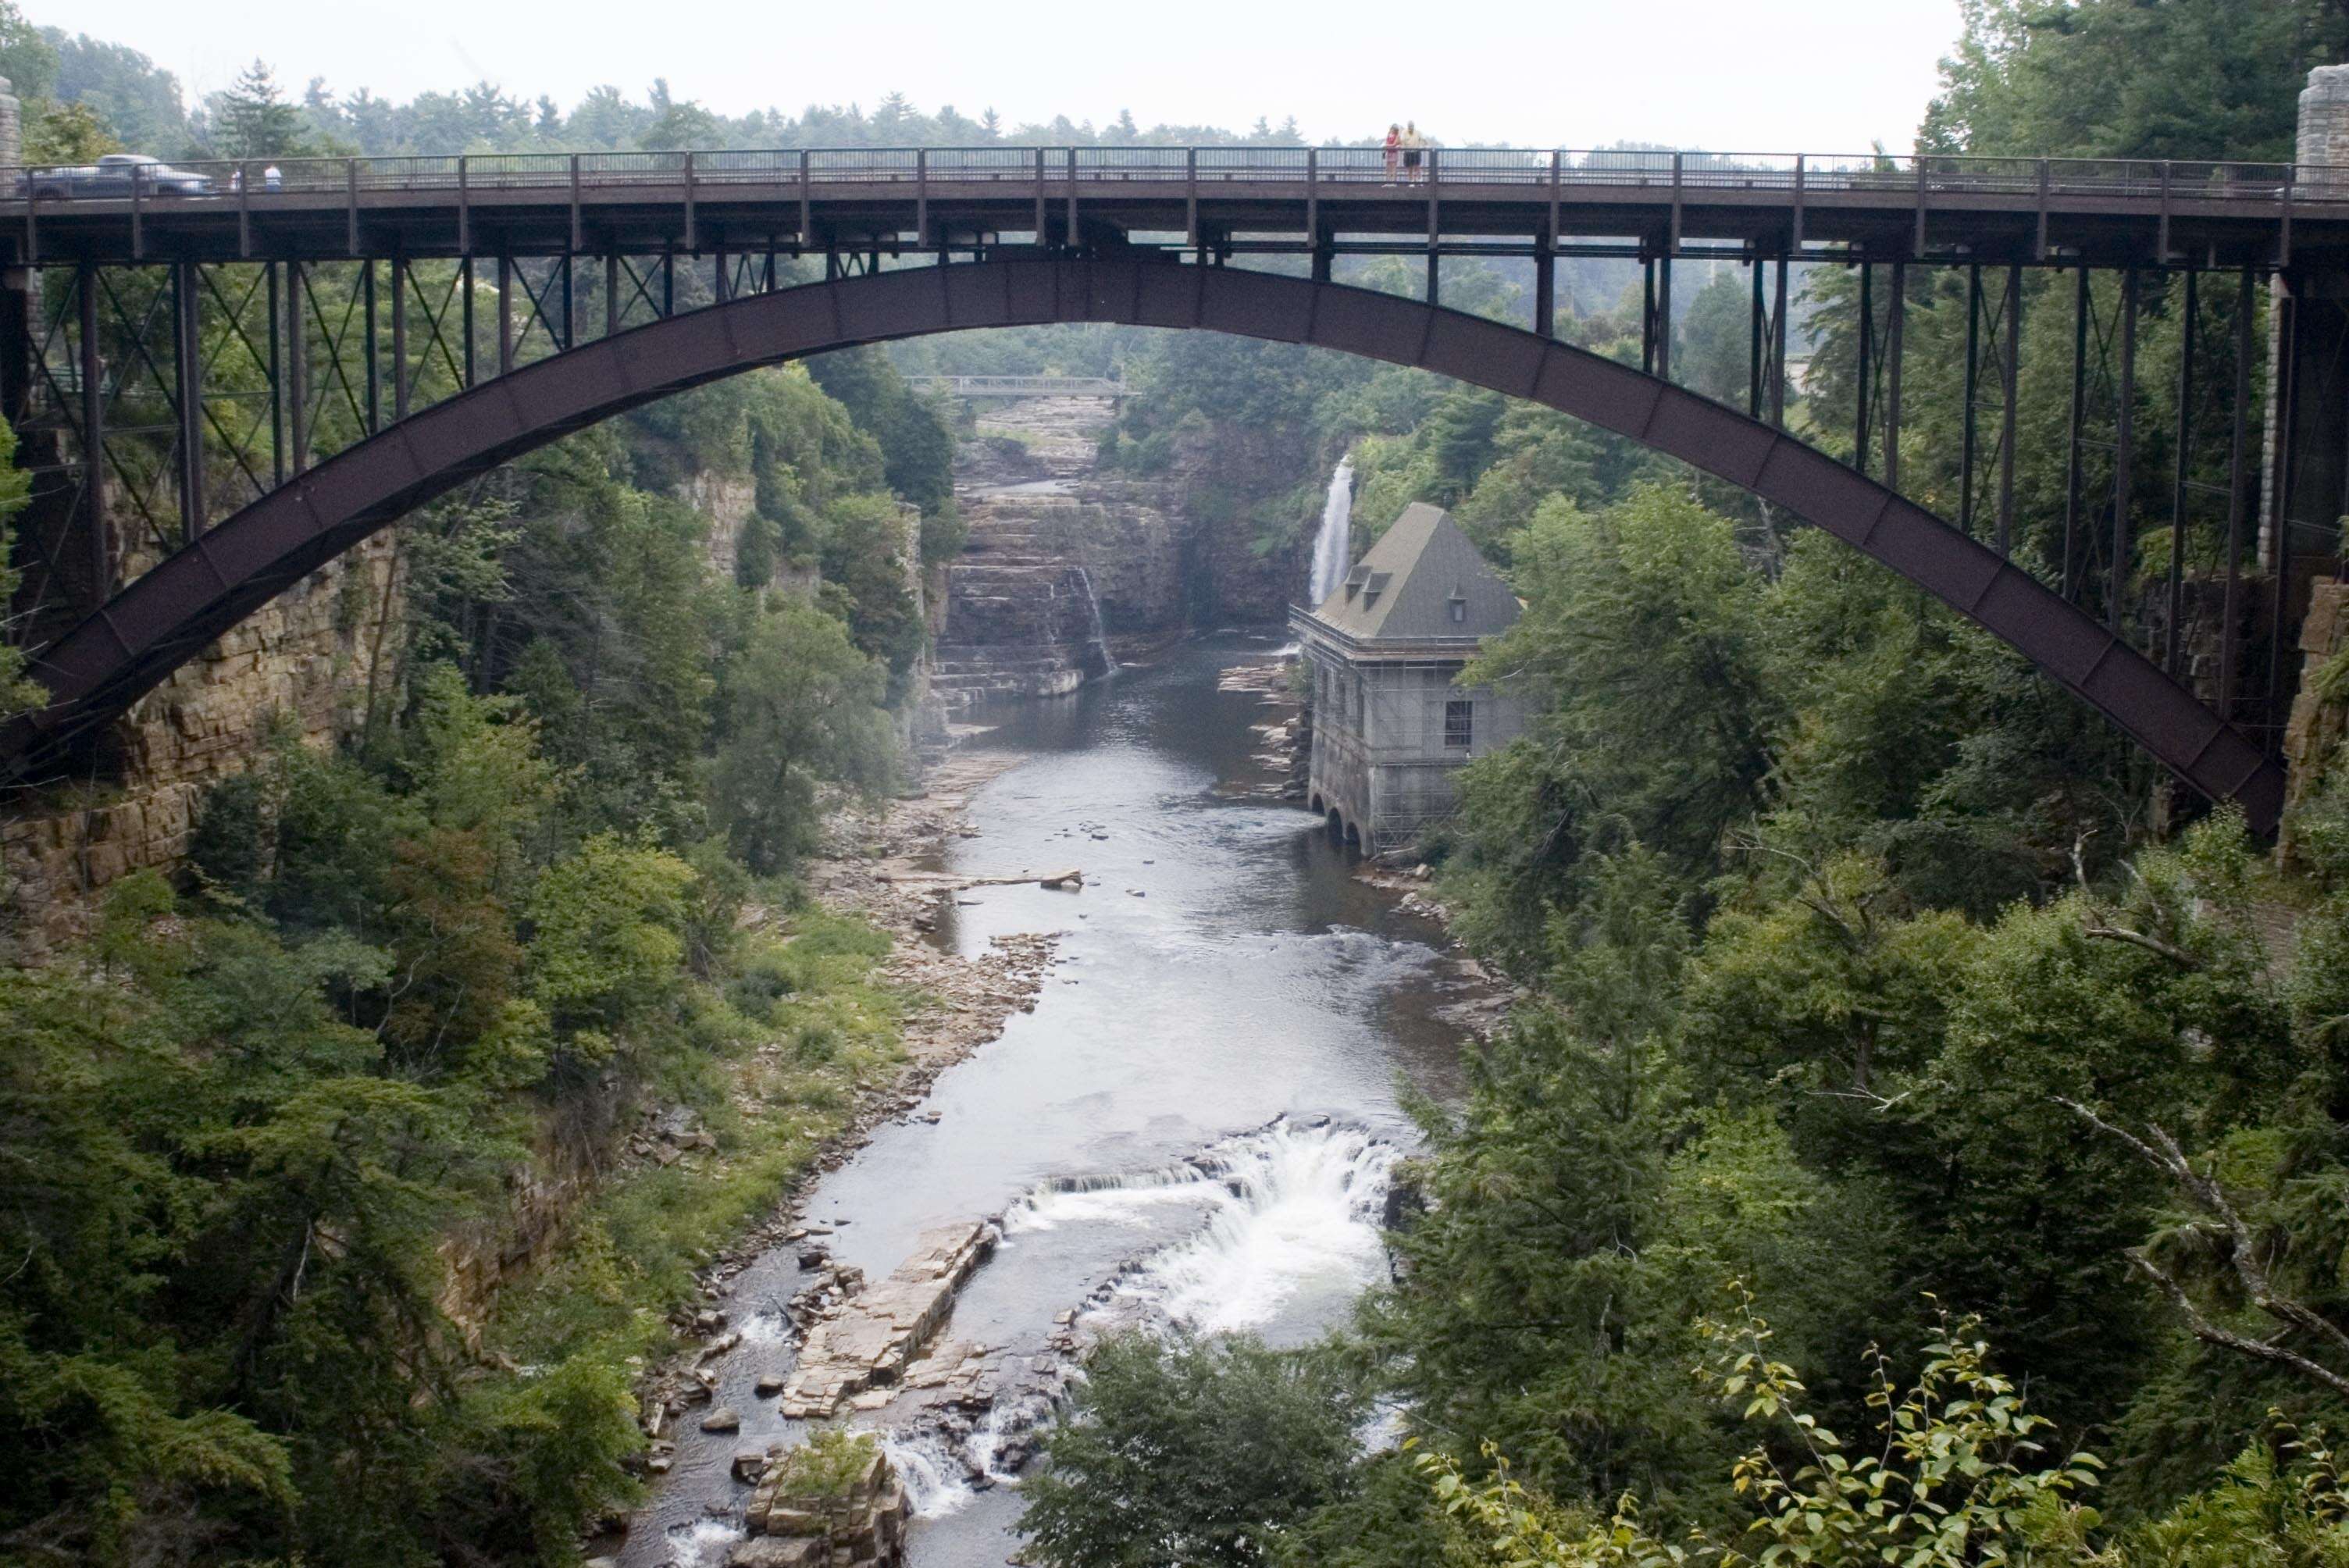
(112, 176)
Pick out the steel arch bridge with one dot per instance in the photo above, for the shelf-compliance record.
(142, 631)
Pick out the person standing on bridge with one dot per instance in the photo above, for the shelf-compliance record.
(1414, 144)
(1394, 146)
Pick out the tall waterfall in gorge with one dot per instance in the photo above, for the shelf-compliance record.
(1335, 541)
(1107, 665)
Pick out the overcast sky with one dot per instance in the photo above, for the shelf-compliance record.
(1821, 75)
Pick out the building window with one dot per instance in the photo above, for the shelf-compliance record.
(1459, 609)
(1459, 723)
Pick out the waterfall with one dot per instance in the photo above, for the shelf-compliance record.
(1334, 543)
(1293, 1213)
(1106, 665)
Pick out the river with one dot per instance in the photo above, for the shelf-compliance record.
(1195, 1122)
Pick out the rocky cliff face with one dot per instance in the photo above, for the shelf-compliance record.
(1067, 560)
(306, 661)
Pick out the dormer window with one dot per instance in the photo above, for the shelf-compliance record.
(1459, 602)
(1375, 586)
(1354, 581)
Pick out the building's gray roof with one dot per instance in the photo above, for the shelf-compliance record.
(1402, 589)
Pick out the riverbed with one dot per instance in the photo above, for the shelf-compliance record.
(1194, 1125)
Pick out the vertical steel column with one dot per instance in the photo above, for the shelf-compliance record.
(2237, 495)
(1896, 356)
(1778, 345)
(1434, 280)
(276, 376)
(2287, 355)
(373, 359)
(1664, 311)
(1867, 377)
(297, 367)
(567, 326)
(92, 370)
(1969, 439)
(400, 286)
(611, 293)
(668, 280)
(2010, 373)
(506, 314)
(1545, 285)
(2074, 477)
(188, 391)
(1753, 348)
(2124, 441)
(1648, 314)
(465, 287)
(2185, 441)
(718, 281)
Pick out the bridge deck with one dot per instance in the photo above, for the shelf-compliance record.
(1274, 199)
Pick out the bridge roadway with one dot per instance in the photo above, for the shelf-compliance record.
(1228, 200)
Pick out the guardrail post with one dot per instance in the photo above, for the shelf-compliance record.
(1795, 241)
(578, 237)
(464, 209)
(1313, 198)
(2039, 245)
(2161, 243)
(1071, 159)
(1190, 195)
(2284, 234)
(1043, 230)
(1555, 162)
(351, 203)
(807, 217)
(242, 178)
(1435, 219)
(137, 231)
(689, 237)
(1918, 249)
(1673, 243)
(922, 198)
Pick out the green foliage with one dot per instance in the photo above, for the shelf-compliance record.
(16, 692)
(1192, 1452)
(803, 705)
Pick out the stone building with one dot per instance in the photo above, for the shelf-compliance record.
(1389, 727)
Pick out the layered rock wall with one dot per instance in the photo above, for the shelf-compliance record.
(303, 666)
(1065, 555)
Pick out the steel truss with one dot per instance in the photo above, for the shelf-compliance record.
(180, 390)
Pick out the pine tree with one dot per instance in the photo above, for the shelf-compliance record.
(255, 120)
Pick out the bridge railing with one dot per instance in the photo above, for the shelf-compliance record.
(257, 181)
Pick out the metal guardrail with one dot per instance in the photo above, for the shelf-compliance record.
(251, 183)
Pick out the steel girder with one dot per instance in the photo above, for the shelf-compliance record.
(148, 629)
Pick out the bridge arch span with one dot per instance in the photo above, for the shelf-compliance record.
(97, 670)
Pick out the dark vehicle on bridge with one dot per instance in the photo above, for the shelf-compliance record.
(114, 175)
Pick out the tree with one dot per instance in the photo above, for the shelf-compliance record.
(16, 692)
(1190, 1454)
(1641, 620)
(253, 120)
(67, 133)
(803, 708)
